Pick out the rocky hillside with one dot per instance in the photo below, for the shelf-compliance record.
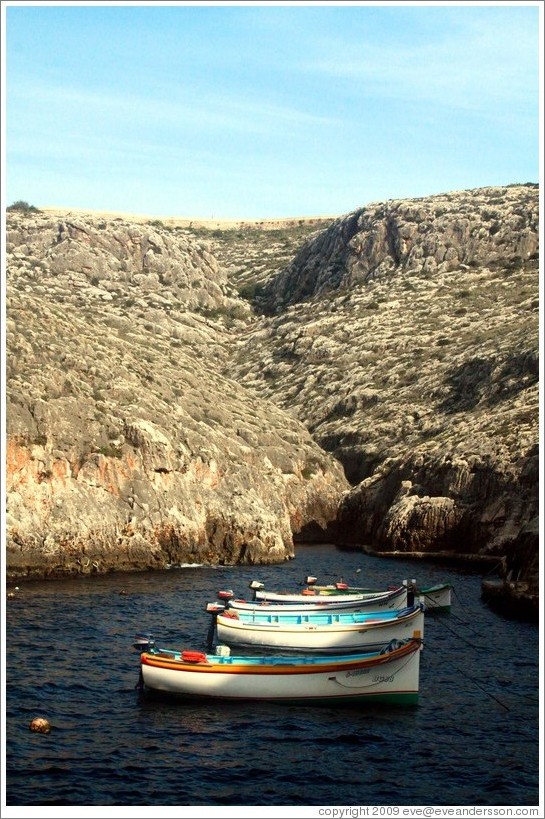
(252, 254)
(492, 228)
(159, 369)
(127, 448)
(405, 336)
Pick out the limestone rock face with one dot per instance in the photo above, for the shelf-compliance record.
(105, 261)
(377, 385)
(405, 336)
(442, 505)
(488, 227)
(127, 449)
(516, 590)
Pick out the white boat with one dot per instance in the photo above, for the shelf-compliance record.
(390, 676)
(394, 599)
(436, 597)
(324, 632)
(311, 597)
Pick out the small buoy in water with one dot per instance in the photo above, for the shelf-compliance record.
(122, 591)
(16, 588)
(40, 725)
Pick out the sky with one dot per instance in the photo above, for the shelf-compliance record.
(266, 110)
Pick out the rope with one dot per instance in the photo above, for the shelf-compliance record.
(494, 568)
(488, 694)
(472, 645)
(467, 642)
(438, 616)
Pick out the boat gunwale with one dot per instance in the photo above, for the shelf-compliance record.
(313, 604)
(287, 667)
(351, 595)
(238, 622)
(331, 589)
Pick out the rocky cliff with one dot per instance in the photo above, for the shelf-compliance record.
(491, 228)
(195, 391)
(405, 336)
(127, 448)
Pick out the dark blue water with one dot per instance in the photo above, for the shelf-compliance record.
(472, 740)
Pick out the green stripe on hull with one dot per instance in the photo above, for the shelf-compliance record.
(404, 698)
(399, 698)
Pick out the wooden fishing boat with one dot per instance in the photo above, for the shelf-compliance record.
(388, 676)
(437, 597)
(393, 599)
(310, 596)
(323, 632)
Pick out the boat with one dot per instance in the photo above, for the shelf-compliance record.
(324, 632)
(393, 599)
(143, 640)
(390, 676)
(437, 597)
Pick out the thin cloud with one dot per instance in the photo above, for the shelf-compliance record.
(214, 112)
(478, 67)
(269, 109)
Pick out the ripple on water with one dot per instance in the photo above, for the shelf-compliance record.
(472, 739)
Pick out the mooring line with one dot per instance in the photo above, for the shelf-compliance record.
(463, 639)
(488, 694)
(441, 619)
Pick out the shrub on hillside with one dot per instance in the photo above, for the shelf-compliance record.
(23, 206)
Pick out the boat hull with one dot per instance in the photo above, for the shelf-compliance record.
(438, 598)
(373, 600)
(277, 632)
(392, 677)
(276, 602)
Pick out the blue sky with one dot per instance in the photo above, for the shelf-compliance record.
(266, 110)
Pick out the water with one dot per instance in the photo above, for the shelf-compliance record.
(472, 740)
